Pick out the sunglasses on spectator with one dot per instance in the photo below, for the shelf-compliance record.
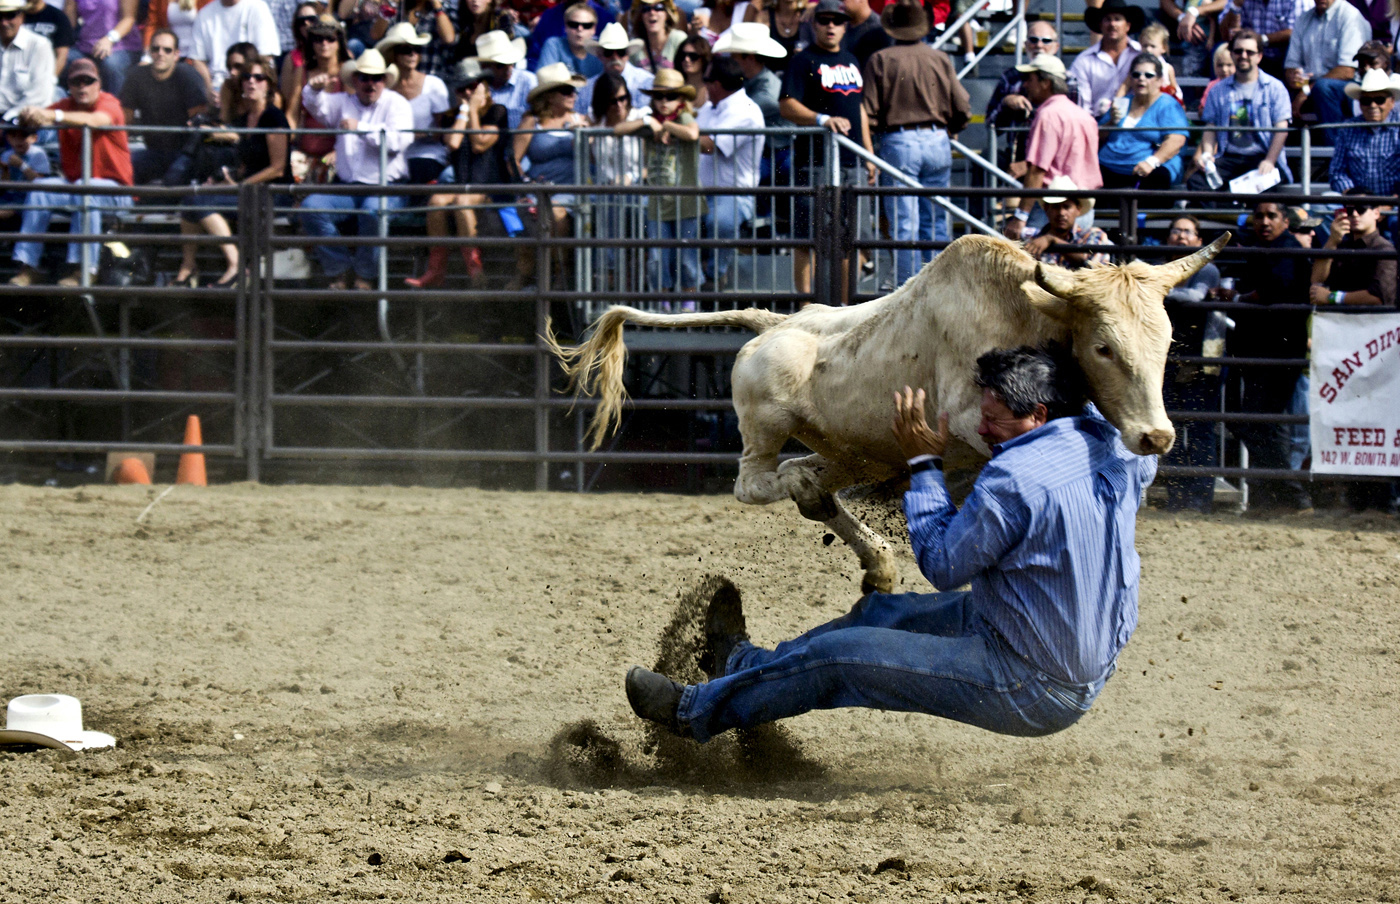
(257, 77)
(81, 81)
(689, 55)
(325, 39)
(160, 48)
(1145, 75)
(614, 54)
(407, 49)
(574, 23)
(1179, 231)
(10, 14)
(1357, 209)
(366, 77)
(655, 8)
(831, 20)
(1373, 101)
(1035, 40)
(566, 90)
(303, 20)
(1240, 51)
(621, 99)
(665, 97)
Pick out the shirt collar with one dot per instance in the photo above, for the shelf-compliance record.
(1090, 421)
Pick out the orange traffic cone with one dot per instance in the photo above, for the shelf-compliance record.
(131, 470)
(192, 463)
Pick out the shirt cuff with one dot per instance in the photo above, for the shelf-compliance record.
(925, 462)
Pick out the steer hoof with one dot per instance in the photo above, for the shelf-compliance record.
(879, 579)
(815, 503)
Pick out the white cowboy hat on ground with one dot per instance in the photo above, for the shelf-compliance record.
(1376, 81)
(50, 720)
(497, 47)
(750, 37)
(1066, 185)
(553, 76)
(402, 33)
(1046, 63)
(614, 37)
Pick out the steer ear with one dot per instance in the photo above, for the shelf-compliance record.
(1055, 281)
(1180, 270)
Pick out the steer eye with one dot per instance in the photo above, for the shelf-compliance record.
(1104, 352)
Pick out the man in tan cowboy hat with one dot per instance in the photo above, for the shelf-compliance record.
(749, 43)
(370, 116)
(510, 85)
(26, 63)
(915, 101)
(1369, 157)
(1062, 211)
(613, 47)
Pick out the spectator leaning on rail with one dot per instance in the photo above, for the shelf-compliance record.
(1145, 152)
(1360, 280)
(823, 88)
(1044, 541)
(372, 116)
(163, 92)
(612, 48)
(752, 46)
(224, 23)
(1063, 141)
(1247, 101)
(510, 86)
(1318, 67)
(1060, 229)
(728, 160)
(26, 63)
(1103, 67)
(1009, 105)
(86, 105)
(1369, 157)
(914, 100)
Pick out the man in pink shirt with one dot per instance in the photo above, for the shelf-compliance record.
(1063, 141)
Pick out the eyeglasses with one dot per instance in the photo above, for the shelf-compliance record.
(690, 55)
(1373, 101)
(81, 81)
(368, 77)
(1145, 75)
(305, 20)
(661, 97)
(1358, 209)
(407, 50)
(160, 48)
(574, 23)
(831, 20)
(566, 90)
(1178, 231)
(325, 39)
(615, 54)
(259, 77)
(1240, 51)
(655, 8)
(10, 14)
(1035, 40)
(621, 99)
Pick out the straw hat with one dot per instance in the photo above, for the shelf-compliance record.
(497, 47)
(402, 33)
(50, 720)
(1046, 63)
(670, 81)
(370, 66)
(614, 37)
(1066, 185)
(750, 37)
(1375, 80)
(905, 21)
(12, 6)
(553, 76)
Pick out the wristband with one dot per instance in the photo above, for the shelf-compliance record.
(1154, 161)
(1336, 297)
(464, 110)
(822, 119)
(114, 36)
(925, 462)
(1263, 41)
(57, 116)
(1022, 215)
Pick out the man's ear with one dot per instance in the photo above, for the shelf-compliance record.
(1041, 415)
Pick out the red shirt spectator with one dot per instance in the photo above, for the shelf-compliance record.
(111, 157)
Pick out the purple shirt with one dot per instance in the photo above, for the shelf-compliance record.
(1377, 12)
(99, 17)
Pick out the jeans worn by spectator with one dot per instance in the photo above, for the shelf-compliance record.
(1270, 445)
(727, 214)
(925, 155)
(51, 194)
(878, 655)
(322, 214)
(661, 262)
(1330, 103)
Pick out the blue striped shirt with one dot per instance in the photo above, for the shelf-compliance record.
(1046, 541)
(1368, 157)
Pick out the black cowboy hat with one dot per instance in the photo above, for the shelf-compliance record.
(905, 21)
(1093, 16)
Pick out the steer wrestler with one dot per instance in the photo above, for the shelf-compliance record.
(1045, 541)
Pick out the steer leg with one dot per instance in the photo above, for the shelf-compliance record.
(812, 480)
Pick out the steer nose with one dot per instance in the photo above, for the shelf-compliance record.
(1157, 442)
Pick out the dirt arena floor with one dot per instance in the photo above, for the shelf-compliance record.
(416, 695)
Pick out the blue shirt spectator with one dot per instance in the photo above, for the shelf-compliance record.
(1065, 601)
(556, 50)
(1125, 149)
(1260, 104)
(551, 25)
(1369, 156)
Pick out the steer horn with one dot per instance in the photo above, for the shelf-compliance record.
(1180, 270)
(1055, 281)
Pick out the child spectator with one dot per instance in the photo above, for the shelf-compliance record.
(23, 163)
(1154, 41)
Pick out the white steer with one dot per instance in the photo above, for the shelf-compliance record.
(827, 376)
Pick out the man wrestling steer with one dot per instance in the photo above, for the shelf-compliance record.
(1045, 540)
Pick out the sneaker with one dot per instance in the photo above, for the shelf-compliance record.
(725, 629)
(655, 698)
(27, 276)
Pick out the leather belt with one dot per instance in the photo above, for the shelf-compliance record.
(915, 126)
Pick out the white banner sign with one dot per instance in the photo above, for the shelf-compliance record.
(1355, 403)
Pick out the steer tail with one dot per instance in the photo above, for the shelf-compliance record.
(596, 367)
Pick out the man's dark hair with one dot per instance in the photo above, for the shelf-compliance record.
(169, 32)
(726, 71)
(1245, 34)
(1027, 376)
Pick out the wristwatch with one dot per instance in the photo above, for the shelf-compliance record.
(114, 36)
(57, 116)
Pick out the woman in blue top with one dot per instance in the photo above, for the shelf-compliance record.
(1145, 153)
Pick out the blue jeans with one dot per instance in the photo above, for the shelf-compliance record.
(336, 259)
(727, 214)
(925, 155)
(43, 200)
(924, 653)
(1299, 436)
(1330, 102)
(661, 262)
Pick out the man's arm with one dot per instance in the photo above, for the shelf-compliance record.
(1270, 160)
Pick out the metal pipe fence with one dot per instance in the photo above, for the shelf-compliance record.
(284, 370)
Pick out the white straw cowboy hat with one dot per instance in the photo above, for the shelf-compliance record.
(750, 37)
(12, 6)
(1376, 80)
(371, 62)
(1066, 185)
(614, 37)
(555, 75)
(497, 47)
(402, 33)
(669, 81)
(50, 720)
(1046, 63)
